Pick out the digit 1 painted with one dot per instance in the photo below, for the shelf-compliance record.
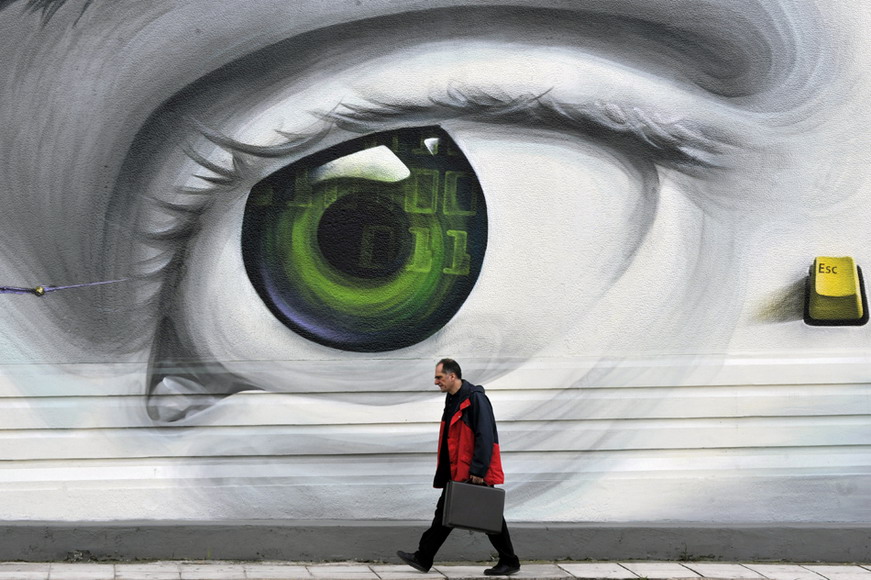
(262, 195)
(421, 259)
(367, 245)
(330, 193)
(459, 258)
(302, 190)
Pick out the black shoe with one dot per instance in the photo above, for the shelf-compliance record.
(502, 570)
(411, 560)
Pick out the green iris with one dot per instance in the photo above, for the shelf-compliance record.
(371, 245)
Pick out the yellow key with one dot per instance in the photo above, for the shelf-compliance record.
(835, 291)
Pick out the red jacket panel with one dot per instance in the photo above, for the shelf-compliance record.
(465, 458)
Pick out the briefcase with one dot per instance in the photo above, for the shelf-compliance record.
(473, 507)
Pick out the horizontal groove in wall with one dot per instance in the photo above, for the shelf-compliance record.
(391, 439)
(107, 378)
(540, 386)
(171, 430)
(846, 453)
(389, 408)
(417, 469)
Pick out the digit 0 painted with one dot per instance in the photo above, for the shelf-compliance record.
(421, 191)
(452, 205)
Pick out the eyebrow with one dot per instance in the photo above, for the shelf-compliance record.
(735, 52)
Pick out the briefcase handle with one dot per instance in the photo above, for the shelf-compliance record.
(470, 482)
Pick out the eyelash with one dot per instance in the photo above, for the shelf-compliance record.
(686, 146)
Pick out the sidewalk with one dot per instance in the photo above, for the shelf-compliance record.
(356, 571)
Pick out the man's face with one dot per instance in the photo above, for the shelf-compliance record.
(446, 382)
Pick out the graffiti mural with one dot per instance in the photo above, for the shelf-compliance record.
(236, 237)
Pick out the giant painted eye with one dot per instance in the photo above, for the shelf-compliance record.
(371, 245)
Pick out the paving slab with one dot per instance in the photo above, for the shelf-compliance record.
(342, 572)
(463, 572)
(719, 570)
(62, 571)
(784, 571)
(211, 571)
(660, 570)
(24, 571)
(842, 572)
(598, 570)
(540, 572)
(276, 572)
(154, 571)
(403, 572)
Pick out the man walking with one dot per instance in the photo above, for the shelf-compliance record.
(468, 451)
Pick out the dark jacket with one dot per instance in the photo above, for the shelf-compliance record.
(473, 443)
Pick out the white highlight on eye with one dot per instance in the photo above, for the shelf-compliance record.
(432, 145)
(375, 164)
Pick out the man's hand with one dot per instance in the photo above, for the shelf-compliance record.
(476, 480)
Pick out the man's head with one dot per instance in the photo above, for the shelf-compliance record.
(448, 376)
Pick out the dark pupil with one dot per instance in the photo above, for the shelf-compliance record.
(365, 236)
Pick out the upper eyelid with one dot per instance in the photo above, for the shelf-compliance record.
(685, 143)
(677, 142)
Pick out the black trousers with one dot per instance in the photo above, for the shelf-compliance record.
(435, 536)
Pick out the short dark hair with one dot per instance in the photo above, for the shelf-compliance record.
(449, 365)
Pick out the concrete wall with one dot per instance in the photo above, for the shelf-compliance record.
(653, 182)
(305, 541)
